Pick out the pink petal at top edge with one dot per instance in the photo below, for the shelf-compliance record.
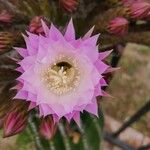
(45, 28)
(89, 33)
(55, 34)
(92, 41)
(70, 31)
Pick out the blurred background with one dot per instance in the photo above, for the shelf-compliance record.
(125, 27)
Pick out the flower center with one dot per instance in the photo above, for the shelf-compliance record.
(62, 76)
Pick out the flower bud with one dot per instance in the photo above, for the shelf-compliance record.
(140, 10)
(35, 25)
(15, 123)
(16, 119)
(5, 17)
(48, 127)
(118, 26)
(69, 5)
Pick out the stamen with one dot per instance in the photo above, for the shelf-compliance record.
(62, 76)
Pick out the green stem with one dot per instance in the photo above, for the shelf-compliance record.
(37, 138)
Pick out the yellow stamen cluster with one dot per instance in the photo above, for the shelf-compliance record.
(62, 76)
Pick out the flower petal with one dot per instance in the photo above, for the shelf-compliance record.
(45, 28)
(88, 34)
(70, 32)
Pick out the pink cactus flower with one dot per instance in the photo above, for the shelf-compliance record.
(15, 123)
(118, 26)
(69, 5)
(61, 75)
(5, 17)
(35, 25)
(140, 10)
(48, 127)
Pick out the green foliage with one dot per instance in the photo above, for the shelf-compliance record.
(68, 137)
(24, 140)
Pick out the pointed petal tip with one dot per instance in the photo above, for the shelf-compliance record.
(45, 27)
(103, 55)
(105, 94)
(77, 120)
(110, 69)
(24, 36)
(70, 31)
(89, 33)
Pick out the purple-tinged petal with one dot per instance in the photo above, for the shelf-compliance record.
(19, 69)
(69, 116)
(22, 51)
(90, 52)
(21, 95)
(41, 113)
(46, 109)
(103, 55)
(92, 108)
(76, 118)
(32, 97)
(45, 28)
(76, 43)
(32, 45)
(70, 31)
(55, 34)
(110, 69)
(25, 38)
(89, 33)
(97, 90)
(105, 94)
(103, 82)
(32, 105)
(18, 86)
(27, 63)
(55, 118)
(101, 67)
(91, 41)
